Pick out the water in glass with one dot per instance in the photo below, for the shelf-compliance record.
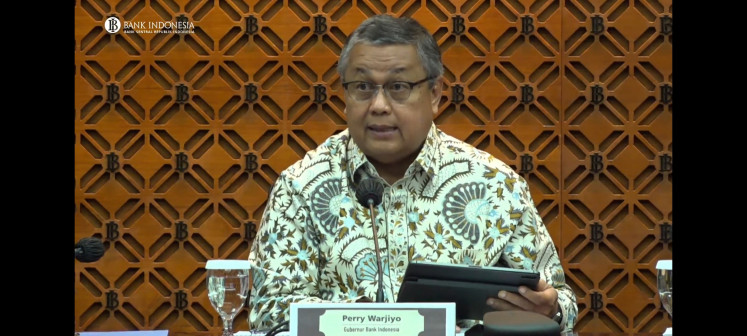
(228, 287)
(664, 282)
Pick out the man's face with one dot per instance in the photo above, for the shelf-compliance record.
(390, 131)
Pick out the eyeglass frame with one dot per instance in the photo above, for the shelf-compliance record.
(380, 86)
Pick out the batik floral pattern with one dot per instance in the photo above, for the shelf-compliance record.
(456, 204)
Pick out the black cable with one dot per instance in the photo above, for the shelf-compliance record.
(278, 328)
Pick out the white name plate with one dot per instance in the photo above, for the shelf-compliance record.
(373, 319)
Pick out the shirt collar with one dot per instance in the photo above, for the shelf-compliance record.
(427, 160)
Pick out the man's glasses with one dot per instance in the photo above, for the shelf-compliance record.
(398, 91)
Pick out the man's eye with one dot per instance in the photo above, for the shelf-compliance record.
(398, 86)
(364, 86)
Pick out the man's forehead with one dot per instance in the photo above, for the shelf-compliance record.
(371, 60)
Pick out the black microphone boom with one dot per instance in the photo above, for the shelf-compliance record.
(89, 249)
(369, 194)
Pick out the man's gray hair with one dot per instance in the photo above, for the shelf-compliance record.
(383, 30)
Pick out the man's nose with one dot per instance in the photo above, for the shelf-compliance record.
(380, 101)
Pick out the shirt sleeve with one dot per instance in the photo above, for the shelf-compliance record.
(532, 247)
(284, 257)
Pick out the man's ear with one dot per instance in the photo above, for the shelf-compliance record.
(436, 93)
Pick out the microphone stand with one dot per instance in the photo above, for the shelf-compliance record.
(369, 193)
(380, 290)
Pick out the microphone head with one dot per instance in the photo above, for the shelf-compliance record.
(369, 189)
(89, 249)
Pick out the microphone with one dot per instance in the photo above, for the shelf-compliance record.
(369, 194)
(89, 249)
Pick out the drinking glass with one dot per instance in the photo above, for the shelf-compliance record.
(228, 287)
(664, 282)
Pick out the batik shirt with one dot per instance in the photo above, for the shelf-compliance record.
(456, 204)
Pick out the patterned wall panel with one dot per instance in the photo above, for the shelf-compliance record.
(185, 116)
(616, 160)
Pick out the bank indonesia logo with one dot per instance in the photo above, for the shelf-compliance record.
(112, 25)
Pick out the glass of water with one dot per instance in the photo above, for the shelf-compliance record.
(228, 287)
(664, 282)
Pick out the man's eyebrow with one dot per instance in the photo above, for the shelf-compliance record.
(367, 72)
(360, 70)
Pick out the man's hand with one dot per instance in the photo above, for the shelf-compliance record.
(543, 301)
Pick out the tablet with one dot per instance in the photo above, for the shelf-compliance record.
(469, 287)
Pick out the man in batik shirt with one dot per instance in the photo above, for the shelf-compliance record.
(444, 200)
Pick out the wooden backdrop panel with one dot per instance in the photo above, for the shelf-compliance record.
(180, 134)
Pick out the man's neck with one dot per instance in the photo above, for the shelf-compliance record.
(390, 178)
(393, 172)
